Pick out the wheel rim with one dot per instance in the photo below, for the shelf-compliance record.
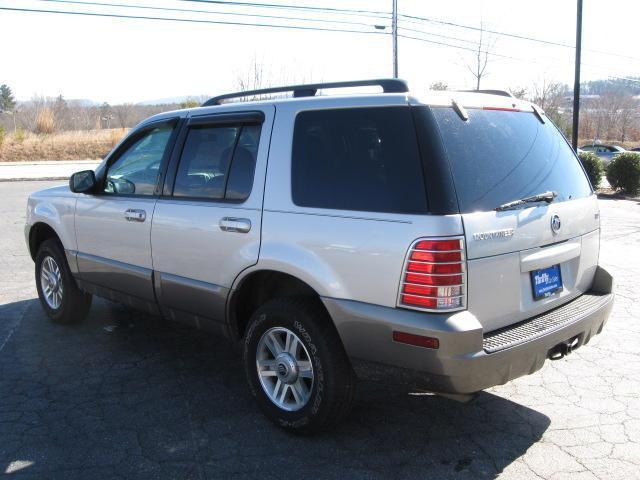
(51, 282)
(284, 369)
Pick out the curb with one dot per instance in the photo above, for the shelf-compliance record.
(47, 162)
(31, 179)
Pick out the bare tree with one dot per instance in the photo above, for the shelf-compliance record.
(478, 66)
(628, 117)
(122, 113)
(615, 112)
(519, 92)
(257, 77)
(549, 95)
(253, 78)
(440, 86)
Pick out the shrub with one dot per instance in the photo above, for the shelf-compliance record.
(593, 166)
(45, 121)
(19, 135)
(623, 173)
(2, 135)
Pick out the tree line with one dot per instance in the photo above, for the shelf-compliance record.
(610, 109)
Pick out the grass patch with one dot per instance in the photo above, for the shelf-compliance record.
(79, 145)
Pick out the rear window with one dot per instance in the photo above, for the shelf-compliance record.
(498, 156)
(363, 159)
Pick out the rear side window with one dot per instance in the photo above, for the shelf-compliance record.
(244, 164)
(500, 156)
(364, 159)
(218, 162)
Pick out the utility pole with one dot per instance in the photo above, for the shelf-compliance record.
(394, 34)
(576, 84)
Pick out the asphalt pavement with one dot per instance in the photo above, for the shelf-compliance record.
(126, 395)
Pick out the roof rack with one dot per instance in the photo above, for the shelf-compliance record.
(502, 93)
(389, 85)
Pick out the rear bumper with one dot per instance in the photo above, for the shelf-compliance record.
(467, 360)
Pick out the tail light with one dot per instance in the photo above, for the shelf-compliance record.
(434, 275)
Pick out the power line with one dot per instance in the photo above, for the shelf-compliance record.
(190, 20)
(509, 57)
(487, 52)
(183, 10)
(386, 15)
(271, 25)
(343, 11)
(423, 32)
(511, 35)
(478, 29)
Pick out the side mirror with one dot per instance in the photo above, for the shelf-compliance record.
(83, 182)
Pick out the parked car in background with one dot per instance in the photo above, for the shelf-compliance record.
(635, 149)
(605, 152)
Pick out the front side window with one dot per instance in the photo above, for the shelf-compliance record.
(218, 162)
(136, 170)
(364, 159)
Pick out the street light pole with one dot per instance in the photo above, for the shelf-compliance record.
(576, 84)
(394, 34)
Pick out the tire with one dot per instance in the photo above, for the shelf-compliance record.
(329, 392)
(69, 304)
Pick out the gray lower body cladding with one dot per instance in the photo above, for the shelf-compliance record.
(467, 360)
(195, 303)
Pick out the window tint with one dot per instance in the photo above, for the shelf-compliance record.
(215, 158)
(499, 156)
(205, 160)
(136, 170)
(244, 164)
(363, 159)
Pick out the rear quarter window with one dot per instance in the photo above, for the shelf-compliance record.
(363, 159)
(500, 156)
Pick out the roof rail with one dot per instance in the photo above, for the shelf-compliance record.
(389, 85)
(502, 93)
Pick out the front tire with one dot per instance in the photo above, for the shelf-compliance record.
(59, 295)
(296, 366)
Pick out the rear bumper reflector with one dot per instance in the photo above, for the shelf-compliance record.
(416, 340)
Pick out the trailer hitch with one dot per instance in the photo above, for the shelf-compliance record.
(563, 349)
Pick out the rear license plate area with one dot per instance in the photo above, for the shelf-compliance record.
(546, 281)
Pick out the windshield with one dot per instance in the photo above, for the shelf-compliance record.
(501, 156)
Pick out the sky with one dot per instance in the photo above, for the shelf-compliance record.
(133, 60)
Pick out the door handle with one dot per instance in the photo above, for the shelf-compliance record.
(232, 224)
(135, 215)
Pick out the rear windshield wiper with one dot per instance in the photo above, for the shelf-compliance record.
(540, 197)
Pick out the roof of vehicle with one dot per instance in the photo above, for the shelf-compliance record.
(605, 145)
(394, 91)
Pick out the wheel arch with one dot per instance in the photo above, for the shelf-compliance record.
(38, 233)
(256, 288)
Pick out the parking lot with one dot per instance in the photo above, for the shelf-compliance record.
(125, 395)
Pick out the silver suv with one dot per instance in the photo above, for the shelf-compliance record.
(447, 242)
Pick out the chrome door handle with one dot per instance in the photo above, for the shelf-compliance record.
(232, 224)
(135, 215)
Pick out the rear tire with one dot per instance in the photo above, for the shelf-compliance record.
(296, 366)
(59, 295)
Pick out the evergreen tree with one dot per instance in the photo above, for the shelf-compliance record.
(7, 102)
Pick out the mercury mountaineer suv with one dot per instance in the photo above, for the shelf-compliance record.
(446, 241)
